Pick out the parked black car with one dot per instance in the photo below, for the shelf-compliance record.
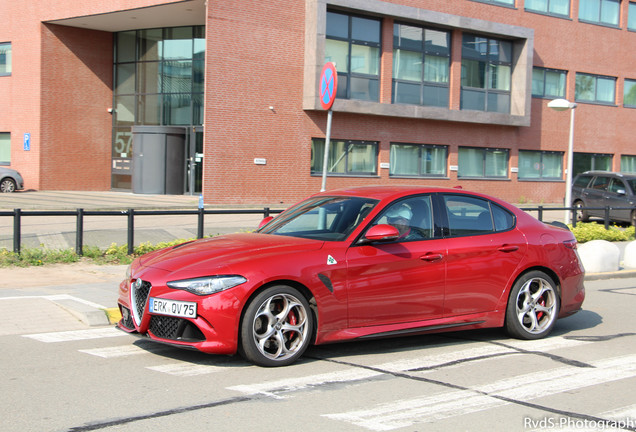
(592, 191)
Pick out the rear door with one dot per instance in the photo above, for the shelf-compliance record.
(595, 195)
(484, 250)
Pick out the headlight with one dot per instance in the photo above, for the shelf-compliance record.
(207, 285)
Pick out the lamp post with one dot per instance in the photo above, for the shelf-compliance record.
(563, 105)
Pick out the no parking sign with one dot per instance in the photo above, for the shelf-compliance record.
(328, 85)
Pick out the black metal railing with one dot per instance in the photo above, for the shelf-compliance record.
(130, 214)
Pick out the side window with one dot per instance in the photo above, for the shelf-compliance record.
(582, 181)
(504, 220)
(617, 186)
(468, 215)
(412, 217)
(601, 183)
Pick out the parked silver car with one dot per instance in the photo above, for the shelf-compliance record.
(10, 180)
(592, 191)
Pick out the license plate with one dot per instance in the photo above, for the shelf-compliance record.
(173, 308)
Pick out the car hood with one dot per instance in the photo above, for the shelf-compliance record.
(216, 254)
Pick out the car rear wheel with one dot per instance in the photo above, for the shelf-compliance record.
(276, 328)
(7, 185)
(533, 306)
(581, 215)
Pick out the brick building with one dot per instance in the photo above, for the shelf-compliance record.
(221, 97)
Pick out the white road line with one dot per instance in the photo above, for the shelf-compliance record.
(126, 350)
(615, 420)
(531, 386)
(275, 388)
(75, 335)
(187, 369)
(57, 297)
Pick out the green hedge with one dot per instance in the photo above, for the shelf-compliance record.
(116, 254)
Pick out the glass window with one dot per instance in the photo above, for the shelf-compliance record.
(591, 162)
(499, 2)
(5, 148)
(595, 89)
(468, 215)
(486, 74)
(548, 83)
(421, 59)
(412, 217)
(353, 44)
(345, 157)
(549, 7)
(540, 165)
(631, 16)
(5, 58)
(604, 12)
(629, 93)
(416, 160)
(628, 164)
(482, 162)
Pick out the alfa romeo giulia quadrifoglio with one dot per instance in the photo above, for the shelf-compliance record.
(357, 263)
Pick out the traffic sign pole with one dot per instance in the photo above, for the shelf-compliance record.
(327, 89)
(326, 158)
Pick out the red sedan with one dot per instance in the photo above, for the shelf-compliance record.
(357, 263)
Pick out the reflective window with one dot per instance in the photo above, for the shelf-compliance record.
(482, 162)
(548, 83)
(605, 12)
(629, 93)
(549, 7)
(421, 63)
(345, 157)
(353, 44)
(486, 74)
(5, 148)
(595, 89)
(413, 218)
(628, 164)
(631, 16)
(416, 160)
(5, 58)
(472, 216)
(591, 162)
(540, 165)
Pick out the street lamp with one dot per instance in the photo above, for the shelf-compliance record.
(563, 105)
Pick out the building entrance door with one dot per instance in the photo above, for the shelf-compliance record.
(194, 157)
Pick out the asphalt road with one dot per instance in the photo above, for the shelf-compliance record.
(580, 378)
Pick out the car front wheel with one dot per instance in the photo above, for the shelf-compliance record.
(276, 328)
(7, 185)
(533, 306)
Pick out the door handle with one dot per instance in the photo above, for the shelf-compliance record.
(432, 257)
(508, 248)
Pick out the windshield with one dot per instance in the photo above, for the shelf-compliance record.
(321, 218)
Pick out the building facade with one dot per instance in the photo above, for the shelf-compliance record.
(222, 98)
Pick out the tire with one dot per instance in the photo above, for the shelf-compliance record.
(581, 215)
(533, 306)
(7, 185)
(276, 328)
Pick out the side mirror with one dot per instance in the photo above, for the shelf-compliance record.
(265, 221)
(380, 233)
(620, 191)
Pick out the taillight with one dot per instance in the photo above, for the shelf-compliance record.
(571, 244)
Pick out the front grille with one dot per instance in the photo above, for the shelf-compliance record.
(126, 318)
(173, 328)
(140, 292)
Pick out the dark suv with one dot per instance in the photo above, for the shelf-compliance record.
(602, 188)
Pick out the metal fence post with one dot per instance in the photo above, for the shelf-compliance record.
(607, 217)
(131, 231)
(200, 223)
(265, 212)
(17, 213)
(540, 213)
(79, 232)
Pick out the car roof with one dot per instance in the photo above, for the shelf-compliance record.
(609, 173)
(392, 192)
